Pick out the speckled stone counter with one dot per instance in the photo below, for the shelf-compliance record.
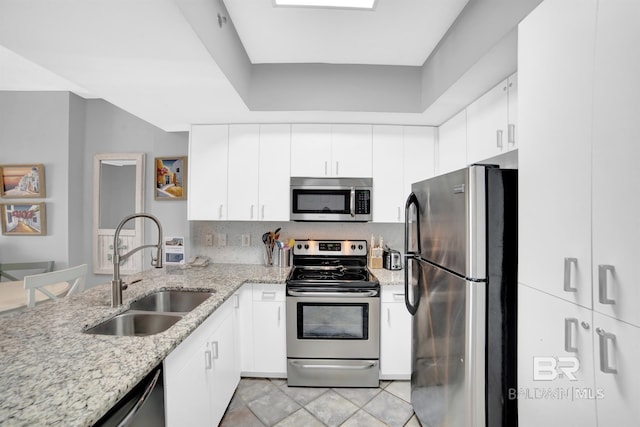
(53, 374)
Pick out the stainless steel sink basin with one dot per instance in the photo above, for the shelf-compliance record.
(171, 301)
(135, 324)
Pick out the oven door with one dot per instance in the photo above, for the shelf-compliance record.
(333, 325)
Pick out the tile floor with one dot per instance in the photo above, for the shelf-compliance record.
(260, 402)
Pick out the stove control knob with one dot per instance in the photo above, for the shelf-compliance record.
(360, 247)
(299, 246)
(306, 246)
(353, 247)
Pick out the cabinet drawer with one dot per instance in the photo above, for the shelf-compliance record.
(392, 293)
(268, 292)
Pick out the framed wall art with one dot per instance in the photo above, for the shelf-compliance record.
(26, 219)
(171, 178)
(22, 181)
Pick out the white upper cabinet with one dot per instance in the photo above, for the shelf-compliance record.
(351, 150)
(324, 150)
(616, 152)
(207, 192)
(310, 150)
(452, 144)
(243, 175)
(555, 116)
(491, 121)
(273, 183)
(402, 155)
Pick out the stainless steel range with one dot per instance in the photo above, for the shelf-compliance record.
(333, 316)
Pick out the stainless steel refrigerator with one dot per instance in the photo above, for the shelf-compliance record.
(460, 286)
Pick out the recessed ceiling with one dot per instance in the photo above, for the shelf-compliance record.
(396, 32)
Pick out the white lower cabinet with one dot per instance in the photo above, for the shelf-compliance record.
(260, 316)
(553, 334)
(269, 332)
(202, 373)
(575, 366)
(395, 334)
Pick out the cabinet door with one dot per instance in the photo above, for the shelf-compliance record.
(243, 312)
(616, 206)
(225, 367)
(388, 200)
(269, 336)
(487, 124)
(208, 150)
(244, 152)
(617, 371)
(554, 337)
(555, 110)
(395, 334)
(512, 116)
(310, 150)
(275, 148)
(351, 150)
(418, 157)
(452, 144)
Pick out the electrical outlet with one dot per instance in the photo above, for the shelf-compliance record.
(246, 240)
(222, 239)
(208, 239)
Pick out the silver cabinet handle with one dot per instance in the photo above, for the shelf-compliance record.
(214, 350)
(278, 316)
(568, 347)
(604, 337)
(236, 301)
(262, 212)
(337, 173)
(220, 213)
(499, 138)
(207, 360)
(252, 211)
(567, 274)
(602, 284)
(325, 168)
(389, 316)
(268, 295)
(511, 134)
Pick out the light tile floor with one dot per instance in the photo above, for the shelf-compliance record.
(260, 402)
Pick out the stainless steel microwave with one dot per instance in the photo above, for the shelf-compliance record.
(331, 199)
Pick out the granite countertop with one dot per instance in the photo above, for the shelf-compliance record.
(53, 374)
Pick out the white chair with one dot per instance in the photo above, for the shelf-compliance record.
(74, 276)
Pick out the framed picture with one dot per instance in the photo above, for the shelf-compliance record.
(26, 219)
(22, 181)
(171, 178)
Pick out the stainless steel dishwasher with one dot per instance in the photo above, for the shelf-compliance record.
(141, 407)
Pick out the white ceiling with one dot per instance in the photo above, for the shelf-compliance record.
(145, 57)
(397, 32)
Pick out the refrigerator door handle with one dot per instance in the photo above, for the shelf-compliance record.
(412, 309)
(411, 200)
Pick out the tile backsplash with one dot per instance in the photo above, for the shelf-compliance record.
(232, 232)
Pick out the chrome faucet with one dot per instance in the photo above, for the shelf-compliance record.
(116, 284)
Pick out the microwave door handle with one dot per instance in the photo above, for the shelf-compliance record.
(352, 202)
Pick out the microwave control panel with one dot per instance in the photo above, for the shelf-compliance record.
(363, 202)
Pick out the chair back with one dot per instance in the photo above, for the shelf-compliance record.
(45, 266)
(74, 276)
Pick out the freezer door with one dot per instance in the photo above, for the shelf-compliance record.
(448, 351)
(452, 221)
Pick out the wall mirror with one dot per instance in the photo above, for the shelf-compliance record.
(118, 191)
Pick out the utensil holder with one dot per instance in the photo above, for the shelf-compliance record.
(268, 256)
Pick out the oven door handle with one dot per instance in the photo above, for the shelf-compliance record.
(367, 365)
(333, 294)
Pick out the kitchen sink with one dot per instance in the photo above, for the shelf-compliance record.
(135, 324)
(171, 301)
